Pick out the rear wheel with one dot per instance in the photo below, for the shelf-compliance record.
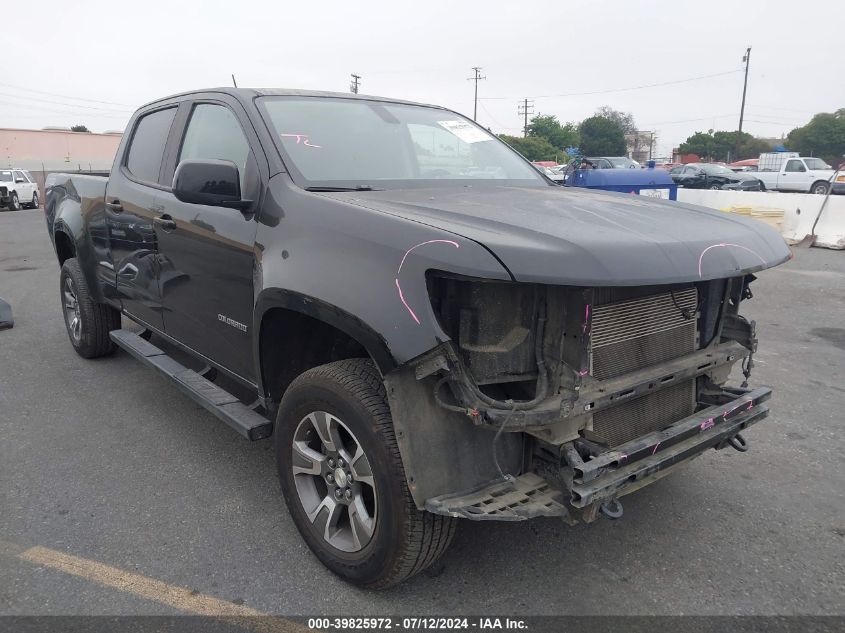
(88, 323)
(343, 479)
(14, 202)
(34, 203)
(820, 188)
(715, 186)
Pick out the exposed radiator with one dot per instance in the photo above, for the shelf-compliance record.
(632, 334)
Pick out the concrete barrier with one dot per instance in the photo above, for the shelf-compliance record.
(799, 211)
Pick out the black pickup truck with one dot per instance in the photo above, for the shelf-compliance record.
(428, 328)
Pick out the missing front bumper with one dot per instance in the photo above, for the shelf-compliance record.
(610, 474)
(635, 464)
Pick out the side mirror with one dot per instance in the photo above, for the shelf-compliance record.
(211, 182)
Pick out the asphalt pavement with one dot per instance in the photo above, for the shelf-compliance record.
(105, 461)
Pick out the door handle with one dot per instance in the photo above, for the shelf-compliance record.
(165, 222)
(115, 206)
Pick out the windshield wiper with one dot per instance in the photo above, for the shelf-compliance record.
(358, 188)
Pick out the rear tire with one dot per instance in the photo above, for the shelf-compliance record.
(820, 188)
(88, 323)
(346, 401)
(34, 204)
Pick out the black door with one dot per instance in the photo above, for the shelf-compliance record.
(207, 253)
(131, 209)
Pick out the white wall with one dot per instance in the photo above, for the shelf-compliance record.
(799, 211)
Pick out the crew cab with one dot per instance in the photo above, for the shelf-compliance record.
(428, 328)
(787, 171)
(18, 188)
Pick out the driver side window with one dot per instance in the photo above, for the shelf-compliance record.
(795, 166)
(214, 132)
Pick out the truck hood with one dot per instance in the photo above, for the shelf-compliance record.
(574, 236)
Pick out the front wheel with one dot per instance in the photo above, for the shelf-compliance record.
(14, 202)
(820, 188)
(343, 479)
(715, 186)
(88, 323)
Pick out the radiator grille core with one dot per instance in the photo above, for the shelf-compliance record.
(633, 334)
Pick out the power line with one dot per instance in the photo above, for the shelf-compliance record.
(24, 106)
(62, 103)
(523, 110)
(611, 90)
(476, 78)
(53, 94)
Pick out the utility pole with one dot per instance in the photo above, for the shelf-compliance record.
(234, 83)
(353, 85)
(747, 59)
(476, 79)
(524, 109)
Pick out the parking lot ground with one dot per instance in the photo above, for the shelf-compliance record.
(103, 461)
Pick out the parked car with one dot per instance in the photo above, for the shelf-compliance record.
(787, 171)
(18, 188)
(839, 182)
(710, 176)
(428, 328)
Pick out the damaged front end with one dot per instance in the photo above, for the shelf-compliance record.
(557, 400)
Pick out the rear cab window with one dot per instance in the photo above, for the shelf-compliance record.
(146, 149)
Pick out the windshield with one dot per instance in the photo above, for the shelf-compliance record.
(6, 175)
(335, 142)
(717, 170)
(816, 163)
(623, 162)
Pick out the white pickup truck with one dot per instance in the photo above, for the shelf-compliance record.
(17, 187)
(787, 171)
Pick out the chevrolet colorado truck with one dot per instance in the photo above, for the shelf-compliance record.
(428, 328)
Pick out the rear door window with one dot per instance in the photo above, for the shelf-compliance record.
(146, 148)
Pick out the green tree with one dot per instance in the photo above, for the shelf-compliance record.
(722, 145)
(601, 136)
(823, 136)
(560, 135)
(535, 148)
(625, 120)
(79, 128)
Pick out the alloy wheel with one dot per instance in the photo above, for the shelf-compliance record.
(72, 315)
(334, 481)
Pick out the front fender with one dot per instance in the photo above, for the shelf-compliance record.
(363, 269)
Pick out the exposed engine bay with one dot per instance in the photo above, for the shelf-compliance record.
(591, 380)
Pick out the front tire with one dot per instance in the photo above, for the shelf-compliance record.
(14, 202)
(820, 188)
(333, 426)
(88, 323)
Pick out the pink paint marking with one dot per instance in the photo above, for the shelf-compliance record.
(707, 424)
(750, 406)
(402, 263)
(301, 138)
(586, 318)
(655, 448)
(405, 303)
(583, 372)
(723, 245)
(623, 457)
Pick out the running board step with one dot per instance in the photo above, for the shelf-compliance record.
(250, 424)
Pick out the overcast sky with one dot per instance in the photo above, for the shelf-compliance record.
(99, 60)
